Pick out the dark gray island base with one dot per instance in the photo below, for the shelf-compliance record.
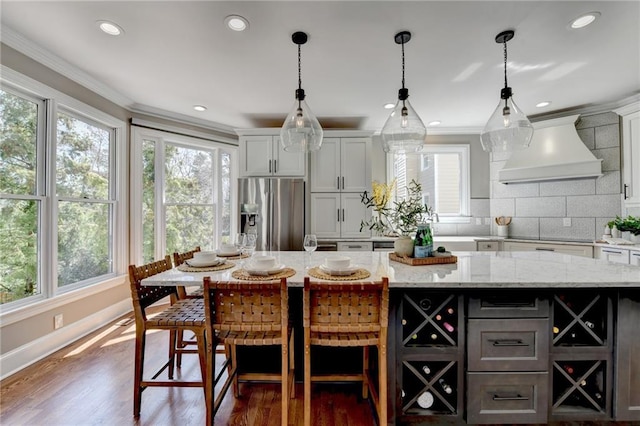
(548, 354)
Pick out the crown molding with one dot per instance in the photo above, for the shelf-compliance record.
(591, 109)
(25, 46)
(186, 119)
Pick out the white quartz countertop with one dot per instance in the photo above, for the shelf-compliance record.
(472, 270)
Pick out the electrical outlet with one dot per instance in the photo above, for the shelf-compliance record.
(478, 221)
(566, 221)
(58, 321)
(487, 221)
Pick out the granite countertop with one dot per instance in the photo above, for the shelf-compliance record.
(473, 270)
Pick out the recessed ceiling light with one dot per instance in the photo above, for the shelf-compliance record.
(389, 106)
(236, 22)
(543, 104)
(435, 123)
(584, 20)
(200, 108)
(110, 28)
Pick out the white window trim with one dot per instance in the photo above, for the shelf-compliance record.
(465, 177)
(138, 134)
(52, 295)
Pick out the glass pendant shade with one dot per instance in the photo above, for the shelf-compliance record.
(508, 129)
(301, 131)
(403, 132)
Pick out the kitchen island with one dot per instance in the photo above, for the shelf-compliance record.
(500, 337)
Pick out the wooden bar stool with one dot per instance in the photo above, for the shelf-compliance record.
(247, 314)
(186, 314)
(179, 259)
(347, 314)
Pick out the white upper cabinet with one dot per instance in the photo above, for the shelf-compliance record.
(263, 156)
(342, 165)
(631, 154)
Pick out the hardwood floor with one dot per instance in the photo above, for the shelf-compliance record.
(91, 383)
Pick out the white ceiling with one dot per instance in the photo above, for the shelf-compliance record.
(176, 54)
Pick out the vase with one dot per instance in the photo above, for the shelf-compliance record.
(403, 246)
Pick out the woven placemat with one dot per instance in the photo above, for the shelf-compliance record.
(234, 257)
(241, 274)
(360, 274)
(186, 268)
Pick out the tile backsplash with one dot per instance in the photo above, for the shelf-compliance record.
(573, 209)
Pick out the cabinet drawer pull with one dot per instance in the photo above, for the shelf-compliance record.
(338, 215)
(611, 251)
(516, 397)
(544, 249)
(342, 182)
(508, 304)
(509, 342)
(357, 246)
(343, 219)
(338, 182)
(625, 191)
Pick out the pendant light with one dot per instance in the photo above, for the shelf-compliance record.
(508, 129)
(301, 131)
(403, 132)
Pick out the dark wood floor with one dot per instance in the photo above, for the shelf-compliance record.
(90, 383)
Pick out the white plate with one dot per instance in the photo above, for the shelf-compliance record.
(204, 263)
(228, 253)
(339, 272)
(254, 271)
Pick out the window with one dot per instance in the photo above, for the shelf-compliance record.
(443, 173)
(59, 214)
(184, 187)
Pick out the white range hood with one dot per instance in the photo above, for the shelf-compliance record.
(556, 152)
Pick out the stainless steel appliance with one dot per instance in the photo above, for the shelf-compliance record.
(273, 209)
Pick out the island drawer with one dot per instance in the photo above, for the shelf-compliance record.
(522, 304)
(355, 246)
(499, 345)
(507, 398)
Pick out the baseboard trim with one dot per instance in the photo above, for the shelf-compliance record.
(22, 357)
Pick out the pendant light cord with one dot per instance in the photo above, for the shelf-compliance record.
(505, 63)
(403, 63)
(299, 75)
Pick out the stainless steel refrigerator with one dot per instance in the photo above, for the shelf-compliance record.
(273, 209)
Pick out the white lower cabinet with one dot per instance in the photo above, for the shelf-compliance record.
(338, 215)
(574, 249)
(634, 257)
(618, 255)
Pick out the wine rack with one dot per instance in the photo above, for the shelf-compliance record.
(430, 320)
(581, 355)
(430, 353)
(428, 387)
(579, 386)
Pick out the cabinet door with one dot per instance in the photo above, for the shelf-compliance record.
(287, 163)
(325, 215)
(627, 365)
(325, 166)
(352, 211)
(255, 156)
(356, 164)
(631, 158)
(634, 258)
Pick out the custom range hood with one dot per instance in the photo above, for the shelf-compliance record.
(556, 152)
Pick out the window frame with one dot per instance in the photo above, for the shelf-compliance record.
(139, 134)
(50, 293)
(464, 152)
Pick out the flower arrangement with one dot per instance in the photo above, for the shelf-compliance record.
(400, 219)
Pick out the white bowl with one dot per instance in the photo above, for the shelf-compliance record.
(337, 262)
(263, 262)
(227, 248)
(205, 256)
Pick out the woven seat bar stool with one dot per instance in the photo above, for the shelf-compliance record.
(179, 259)
(187, 314)
(247, 314)
(347, 314)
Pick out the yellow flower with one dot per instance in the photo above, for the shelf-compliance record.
(382, 193)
